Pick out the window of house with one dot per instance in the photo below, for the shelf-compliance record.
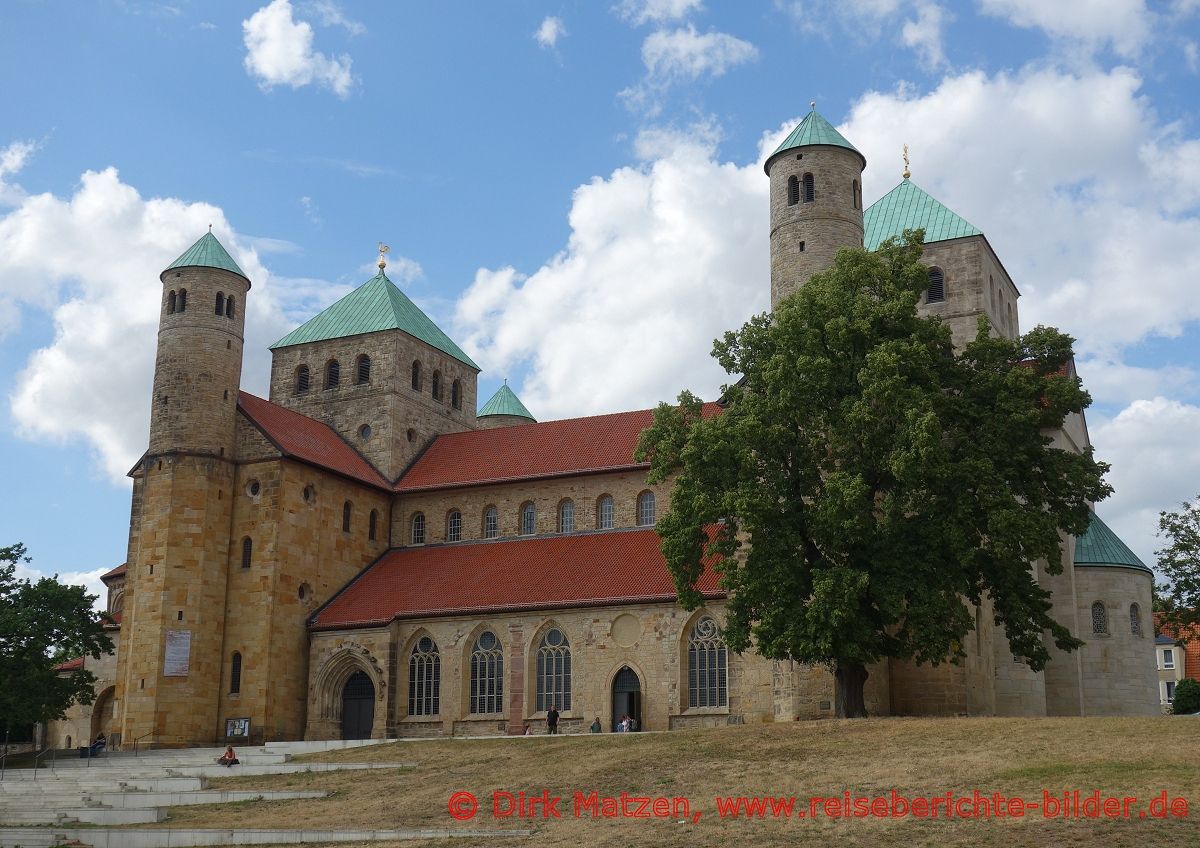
(487, 675)
(1099, 618)
(372, 522)
(416, 375)
(456, 394)
(491, 523)
(418, 529)
(1135, 619)
(235, 674)
(437, 385)
(810, 188)
(362, 370)
(247, 551)
(346, 508)
(303, 380)
(645, 509)
(937, 286)
(708, 666)
(793, 190)
(1170, 691)
(424, 679)
(553, 672)
(528, 519)
(454, 526)
(604, 513)
(566, 517)
(1168, 655)
(333, 374)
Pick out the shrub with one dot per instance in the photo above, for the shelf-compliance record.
(1187, 697)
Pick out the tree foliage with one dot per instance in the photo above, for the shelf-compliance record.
(1179, 561)
(43, 624)
(863, 484)
(1187, 697)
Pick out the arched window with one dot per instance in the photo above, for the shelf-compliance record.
(456, 394)
(454, 526)
(566, 517)
(182, 302)
(418, 529)
(491, 523)
(1099, 618)
(810, 188)
(220, 303)
(416, 375)
(424, 679)
(793, 190)
(487, 675)
(171, 302)
(856, 194)
(937, 286)
(437, 385)
(229, 306)
(346, 508)
(235, 673)
(1012, 325)
(333, 373)
(362, 370)
(645, 509)
(247, 551)
(708, 666)
(553, 672)
(1135, 619)
(528, 519)
(303, 380)
(604, 513)
(372, 521)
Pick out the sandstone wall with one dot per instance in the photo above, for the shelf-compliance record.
(1119, 669)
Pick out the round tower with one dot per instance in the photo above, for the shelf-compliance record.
(816, 202)
(198, 367)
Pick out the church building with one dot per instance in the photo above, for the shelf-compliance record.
(363, 554)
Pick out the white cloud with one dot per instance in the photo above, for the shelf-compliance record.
(90, 580)
(279, 51)
(924, 33)
(329, 13)
(683, 55)
(91, 260)
(1191, 54)
(311, 211)
(1124, 24)
(661, 260)
(549, 32)
(639, 12)
(867, 21)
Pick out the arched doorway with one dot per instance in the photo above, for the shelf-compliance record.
(102, 714)
(358, 707)
(627, 697)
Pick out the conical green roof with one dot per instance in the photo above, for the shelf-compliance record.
(814, 129)
(374, 306)
(207, 253)
(907, 207)
(505, 402)
(1101, 546)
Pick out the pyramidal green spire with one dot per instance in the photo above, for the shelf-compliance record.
(814, 129)
(1101, 546)
(907, 207)
(505, 402)
(374, 306)
(207, 253)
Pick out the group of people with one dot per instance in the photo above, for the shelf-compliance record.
(627, 724)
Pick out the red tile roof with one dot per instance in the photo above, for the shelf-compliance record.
(116, 572)
(70, 665)
(1191, 649)
(531, 451)
(303, 438)
(549, 572)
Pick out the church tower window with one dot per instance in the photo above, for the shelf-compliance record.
(171, 302)
(416, 375)
(235, 673)
(456, 394)
(793, 189)
(247, 551)
(604, 513)
(856, 194)
(372, 523)
(645, 509)
(437, 385)
(418, 529)
(182, 301)
(424, 678)
(487, 675)
(491, 523)
(220, 303)
(1099, 618)
(303, 380)
(528, 519)
(708, 666)
(810, 188)
(454, 526)
(553, 672)
(346, 510)
(229, 306)
(936, 292)
(333, 374)
(1135, 620)
(566, 516)
(362, 370)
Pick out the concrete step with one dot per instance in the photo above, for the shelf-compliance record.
(78, 814)
(185, 837)
(151, 783)
(132, 800)
(322, 745)
(283, 768)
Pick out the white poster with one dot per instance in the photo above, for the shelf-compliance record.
(179, 650)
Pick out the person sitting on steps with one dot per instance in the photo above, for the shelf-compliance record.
(228, 758)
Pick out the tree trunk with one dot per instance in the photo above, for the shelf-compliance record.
(851, 678)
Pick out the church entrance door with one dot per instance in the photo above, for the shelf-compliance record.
(627, 697)
(358, 707)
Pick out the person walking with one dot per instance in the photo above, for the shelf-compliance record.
(552, 720)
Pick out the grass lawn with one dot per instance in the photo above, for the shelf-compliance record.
(915, 757)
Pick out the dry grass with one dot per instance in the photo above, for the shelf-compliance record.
(1017, 757)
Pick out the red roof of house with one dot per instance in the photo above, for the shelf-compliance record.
(70, 665)
(116, 572)
(308, 440)
(549, 572)
(1191, 649)
(531, 451)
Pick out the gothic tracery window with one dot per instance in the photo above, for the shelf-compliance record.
(553, 671)
(424, 678)
(487, 674)
(708, 666)
(1099, 618)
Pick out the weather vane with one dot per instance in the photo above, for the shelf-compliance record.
(812, 104)
(383, 249)
(907, 173)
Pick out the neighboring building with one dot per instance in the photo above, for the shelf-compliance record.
(363, 554)
(1177, 655)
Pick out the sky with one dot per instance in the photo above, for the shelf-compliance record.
(573, 191)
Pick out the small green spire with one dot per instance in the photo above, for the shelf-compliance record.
(1101, 546)
(505, 402)
(814, 129)
(207, 253)
(908, 207)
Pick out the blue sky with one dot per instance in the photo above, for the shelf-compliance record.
(574, 192)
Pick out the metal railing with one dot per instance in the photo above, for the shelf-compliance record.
(139, 739)
(38, 757)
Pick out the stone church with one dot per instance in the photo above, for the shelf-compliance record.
(363, 554)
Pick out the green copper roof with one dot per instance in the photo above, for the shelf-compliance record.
(907, 207)
(207, 253)
(375, 305)
(814, 129)
(1100, 546)
(505, 402)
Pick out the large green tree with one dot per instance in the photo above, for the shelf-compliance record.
(864, 484)
(1179, 561)
(42, 624)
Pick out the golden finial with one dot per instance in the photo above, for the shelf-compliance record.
(907, 173)
(383, 249)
